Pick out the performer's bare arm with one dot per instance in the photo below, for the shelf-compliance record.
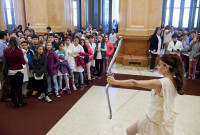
(148, 84)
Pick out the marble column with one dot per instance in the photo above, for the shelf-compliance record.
(83, 13)
(19, 10)
(138, 20)
(58, 14)
(2, 16)
(68, 15)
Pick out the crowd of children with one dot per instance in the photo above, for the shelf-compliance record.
(57, 62)
(185, 43)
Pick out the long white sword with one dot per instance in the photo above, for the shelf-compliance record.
(111, 74)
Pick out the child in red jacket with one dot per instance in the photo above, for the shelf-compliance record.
(78, 69)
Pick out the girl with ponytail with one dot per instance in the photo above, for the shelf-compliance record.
(160, 116)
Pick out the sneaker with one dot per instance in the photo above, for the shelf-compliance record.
(6, 100)
(57, 95)
(48, 99)
(151, 70)
(189, 77)
(65, 89)
(81, 87)
(89, 81)
(49, 93)
(99, 77)
(185, 74)
(24, 95)
(22, 104)
(69, 92)
(74, 87)
(61, 91)
(34, 93)
(28, 91)
(15, 105)
(93, 77)
(41, 96)
(193, 78)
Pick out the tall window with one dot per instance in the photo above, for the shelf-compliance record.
(8, 10)
(75, 13)
(181, 13)
(105, 14)
(186, 13)
(176, 13)
(9, 14)
(196, 14)
(167, 13)
(115, 14)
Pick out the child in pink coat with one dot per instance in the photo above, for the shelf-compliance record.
(110, 50)
(91, 55)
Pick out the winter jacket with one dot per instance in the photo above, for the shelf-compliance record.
(64, 66)
(29, 55)
(55, 45)
(39, 64)
(15, 59)
(110, 48)
(90, 52)
(80, 61)
(154, 43)
(32, 47)
(53, 63)
(195, 51)
(86, 58)
(83, 54)
(103, 47)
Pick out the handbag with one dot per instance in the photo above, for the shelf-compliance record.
(5, 65)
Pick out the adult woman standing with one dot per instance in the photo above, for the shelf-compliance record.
(15, 60)
(168, 32)
(155, 46)
(160, 116)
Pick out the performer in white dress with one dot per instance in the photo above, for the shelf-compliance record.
(160, 116)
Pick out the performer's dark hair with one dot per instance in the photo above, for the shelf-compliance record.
(177, 71)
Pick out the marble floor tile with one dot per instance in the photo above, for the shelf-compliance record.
(133, 70)
(89, 116)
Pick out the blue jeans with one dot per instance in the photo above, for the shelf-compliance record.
(60, 77)
(55, 83)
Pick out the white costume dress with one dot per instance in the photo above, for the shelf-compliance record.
(160, 116)
(78, 49)
(178, 45)
(69, 51)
